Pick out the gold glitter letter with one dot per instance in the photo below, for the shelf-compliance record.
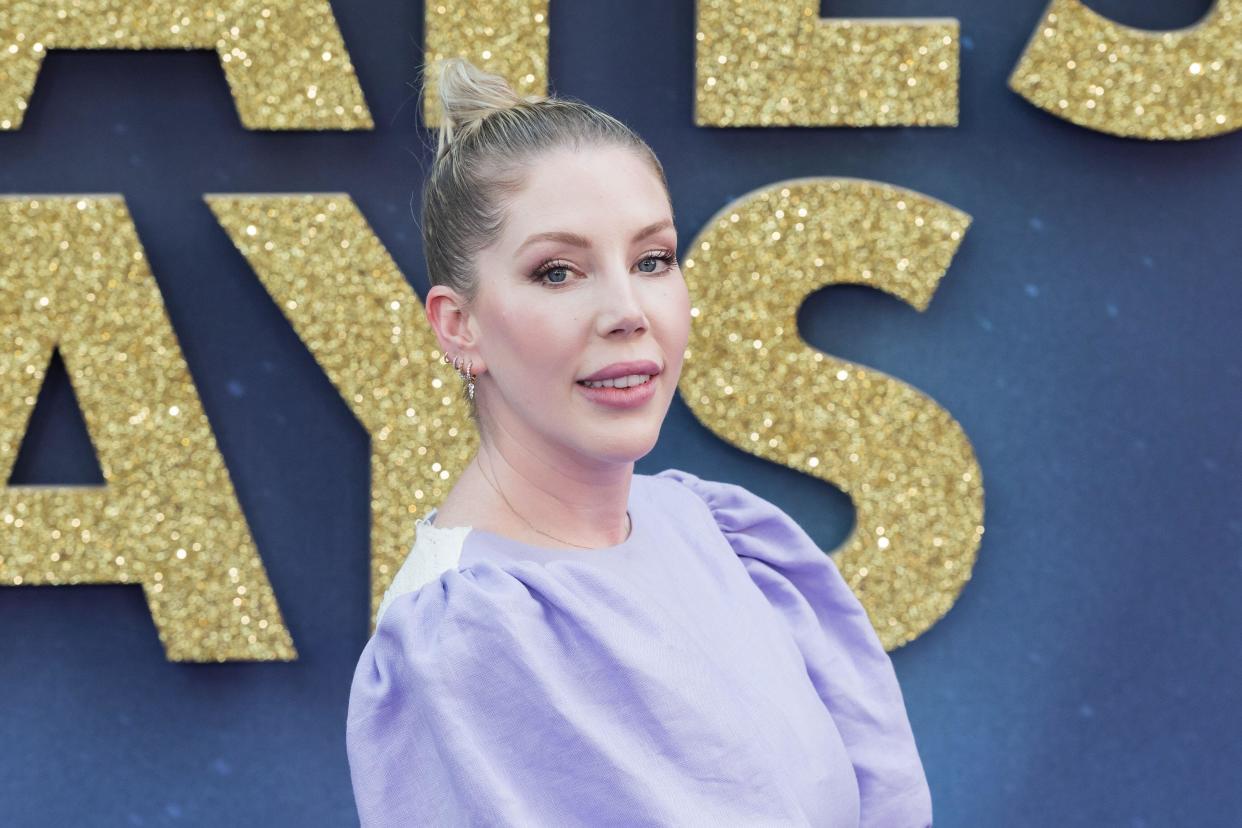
(752, 380)
(1136, 83)
(74, 277)
(777, 63)
(337, 285)
(508, 37)
(284, 59)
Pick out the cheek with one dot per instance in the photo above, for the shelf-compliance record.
(537, 348)
(673, 312)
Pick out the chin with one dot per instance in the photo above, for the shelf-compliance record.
(628, 447)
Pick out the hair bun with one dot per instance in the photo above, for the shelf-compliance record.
(469, 94)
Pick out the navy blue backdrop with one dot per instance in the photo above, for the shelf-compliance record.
(1085, 337)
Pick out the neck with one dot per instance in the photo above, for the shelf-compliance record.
(582, 505)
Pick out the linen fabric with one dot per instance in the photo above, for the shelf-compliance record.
(713, 669)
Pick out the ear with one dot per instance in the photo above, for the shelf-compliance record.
(450, 319)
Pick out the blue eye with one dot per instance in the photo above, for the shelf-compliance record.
(543, 273)
(549, 267)
(665, 256)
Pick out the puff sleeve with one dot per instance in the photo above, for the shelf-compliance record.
(422, 735)
(471, 704)
(845, 660)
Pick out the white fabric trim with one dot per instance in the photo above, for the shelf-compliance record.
(435, 551)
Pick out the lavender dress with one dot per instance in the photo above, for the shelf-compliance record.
(714, 669)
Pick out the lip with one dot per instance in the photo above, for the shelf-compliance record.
(623, 369)
(621, 398)
(631, 397)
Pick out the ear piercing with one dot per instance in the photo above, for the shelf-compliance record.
(465, 373)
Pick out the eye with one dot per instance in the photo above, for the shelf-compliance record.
(545, 270)
(666, 256)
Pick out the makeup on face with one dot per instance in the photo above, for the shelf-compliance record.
(584, 317)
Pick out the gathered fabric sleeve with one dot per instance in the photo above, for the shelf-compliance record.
(845, 660)
(436, 696)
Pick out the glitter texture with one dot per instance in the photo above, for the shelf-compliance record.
(1136, 83)
(331, 276)
(285, 60)
(74, 276)
(780, 64)
(507, 37)
(750, 378)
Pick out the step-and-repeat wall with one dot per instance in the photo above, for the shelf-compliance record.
(936, 251)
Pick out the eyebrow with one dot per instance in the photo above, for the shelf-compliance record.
(580, 241)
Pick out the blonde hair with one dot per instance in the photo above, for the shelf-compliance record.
(488, 138)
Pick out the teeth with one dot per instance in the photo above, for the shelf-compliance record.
(619, 382)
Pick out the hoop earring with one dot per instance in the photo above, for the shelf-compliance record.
(466, 374)
(469, 379)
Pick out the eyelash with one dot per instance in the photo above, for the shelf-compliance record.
(666, 256)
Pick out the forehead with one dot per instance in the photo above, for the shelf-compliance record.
(591, 191)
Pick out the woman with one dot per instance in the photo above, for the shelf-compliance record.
(568, 642)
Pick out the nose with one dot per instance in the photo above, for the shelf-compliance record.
(621, 302)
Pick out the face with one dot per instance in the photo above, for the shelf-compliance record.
(584, 277)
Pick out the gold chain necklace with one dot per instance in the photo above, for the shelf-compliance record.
(628, 520)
